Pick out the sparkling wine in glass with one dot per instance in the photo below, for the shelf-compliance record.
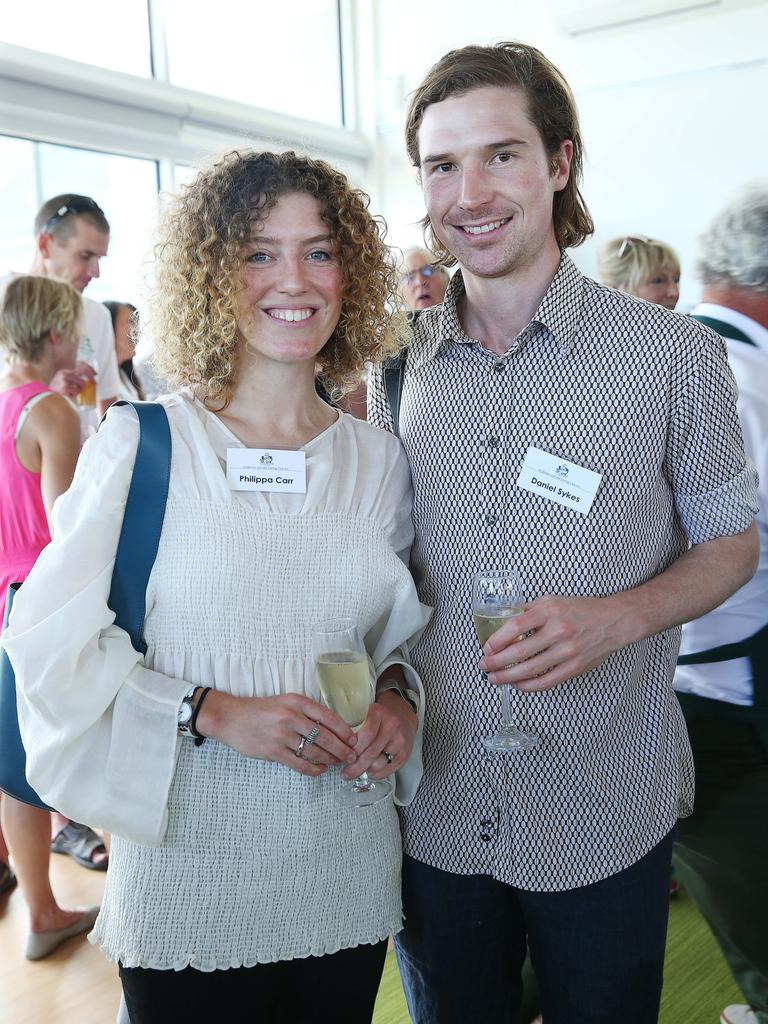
(497, 596)
(348, 688)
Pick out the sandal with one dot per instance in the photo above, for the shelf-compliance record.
(7, 878)
(80, 843)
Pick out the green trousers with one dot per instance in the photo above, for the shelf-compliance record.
(721, 853)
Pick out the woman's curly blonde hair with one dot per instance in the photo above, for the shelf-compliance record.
(200, 256)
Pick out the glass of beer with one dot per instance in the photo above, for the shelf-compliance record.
(348, 688)
(86, 396)
(497, 596)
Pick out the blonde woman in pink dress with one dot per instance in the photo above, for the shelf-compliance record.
(40, 329)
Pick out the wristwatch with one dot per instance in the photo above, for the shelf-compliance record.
(185, 712)
(410, 698)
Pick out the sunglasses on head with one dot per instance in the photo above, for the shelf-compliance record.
(78, 206)
(631, 240)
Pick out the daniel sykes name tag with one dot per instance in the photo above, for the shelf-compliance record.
(559, 480)
(259, 469)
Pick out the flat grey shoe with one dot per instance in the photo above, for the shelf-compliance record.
(41, 944)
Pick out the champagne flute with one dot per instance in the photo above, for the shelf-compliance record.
(348, 688)
(497, 596)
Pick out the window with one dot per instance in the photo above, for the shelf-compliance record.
(114, 36)
(125, 188)
(17, 187)
(282, 56)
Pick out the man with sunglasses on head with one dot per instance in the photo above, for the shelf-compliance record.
(72, 236)
(422, 281)
(589, 440)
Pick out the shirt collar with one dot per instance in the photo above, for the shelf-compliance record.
(559, 311)
(753, 330)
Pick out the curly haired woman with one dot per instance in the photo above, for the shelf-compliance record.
(236, 879)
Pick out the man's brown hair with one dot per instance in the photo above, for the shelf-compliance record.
(551, 109)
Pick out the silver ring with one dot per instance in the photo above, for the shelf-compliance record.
(299, 751)
(390, 757)
(313, 734)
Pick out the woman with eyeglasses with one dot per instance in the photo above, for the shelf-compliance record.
(641, 266)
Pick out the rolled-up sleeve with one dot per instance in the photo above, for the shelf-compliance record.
(714, 484)
(99, 729)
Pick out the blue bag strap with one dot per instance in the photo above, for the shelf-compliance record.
(142, 521)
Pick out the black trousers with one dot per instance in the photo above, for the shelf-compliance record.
(721, 852)
(341, 987)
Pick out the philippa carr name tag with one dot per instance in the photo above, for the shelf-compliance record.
(559, 480)
(263, 469)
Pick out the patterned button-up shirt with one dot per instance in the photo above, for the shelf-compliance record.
(644, 397)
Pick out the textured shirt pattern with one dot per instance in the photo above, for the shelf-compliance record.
(645, 398)
(218, 860)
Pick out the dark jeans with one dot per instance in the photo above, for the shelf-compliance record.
(598, 951)
(340, 987)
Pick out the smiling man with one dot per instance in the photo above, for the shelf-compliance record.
(530, 372)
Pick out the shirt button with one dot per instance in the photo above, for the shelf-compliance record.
(491, 519)
(493, 442)
(498, 367)
(486, 830)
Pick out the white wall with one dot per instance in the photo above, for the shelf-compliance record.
(673, 109)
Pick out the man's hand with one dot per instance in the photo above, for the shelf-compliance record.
(569, 636)
(70, 382)
(391, 725)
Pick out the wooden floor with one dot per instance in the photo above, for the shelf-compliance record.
(74, 985)
(78, 985)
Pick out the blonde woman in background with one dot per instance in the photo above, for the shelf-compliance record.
(641, 266)
(41, 324)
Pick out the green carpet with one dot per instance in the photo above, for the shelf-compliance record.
(697, 982)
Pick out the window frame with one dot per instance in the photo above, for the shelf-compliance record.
(48, 98)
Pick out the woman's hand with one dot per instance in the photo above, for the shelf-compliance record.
(391, 726)
(271, 729)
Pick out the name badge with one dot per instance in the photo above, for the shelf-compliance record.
(259, 469)
(559, 480)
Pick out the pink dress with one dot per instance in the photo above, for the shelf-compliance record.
(23, 524)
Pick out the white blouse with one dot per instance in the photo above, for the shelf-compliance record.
(218, 860)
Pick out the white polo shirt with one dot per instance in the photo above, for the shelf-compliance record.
(746, 611)
(99, 332)
(98, 329)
